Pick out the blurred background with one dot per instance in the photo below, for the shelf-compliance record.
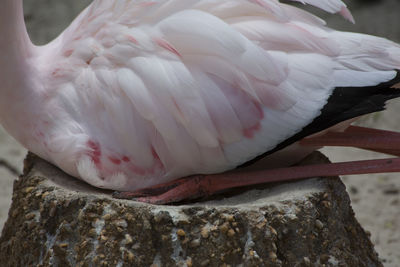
(375, 198)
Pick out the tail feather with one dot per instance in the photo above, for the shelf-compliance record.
(345, 103)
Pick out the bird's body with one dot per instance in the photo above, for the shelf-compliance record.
(137, 93)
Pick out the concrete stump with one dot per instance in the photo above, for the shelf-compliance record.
(56, 220)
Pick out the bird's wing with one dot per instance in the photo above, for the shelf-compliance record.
(205, 85)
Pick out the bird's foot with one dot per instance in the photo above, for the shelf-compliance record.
(187, 188)
(199, 186)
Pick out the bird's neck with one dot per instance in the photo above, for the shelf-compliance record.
(14, 37)
(16, 49)
(16, 56)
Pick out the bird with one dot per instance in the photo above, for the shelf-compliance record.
(162, 100)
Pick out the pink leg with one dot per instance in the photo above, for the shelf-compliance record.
(206, 185)
(382, 141)
(151, 191)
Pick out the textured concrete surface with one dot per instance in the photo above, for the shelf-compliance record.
(375, 198)
(64, 222)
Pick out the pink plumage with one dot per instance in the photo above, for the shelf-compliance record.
(137, 93)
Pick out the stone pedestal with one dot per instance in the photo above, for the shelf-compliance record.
(56, 220)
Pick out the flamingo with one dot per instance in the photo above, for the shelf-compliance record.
(162, 99)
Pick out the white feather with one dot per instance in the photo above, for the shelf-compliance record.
(136, 93)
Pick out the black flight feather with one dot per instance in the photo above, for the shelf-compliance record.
(345, 103)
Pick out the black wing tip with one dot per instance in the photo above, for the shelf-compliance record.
(345, 103)
(350, 102)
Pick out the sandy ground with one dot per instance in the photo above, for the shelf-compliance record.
(375, 198)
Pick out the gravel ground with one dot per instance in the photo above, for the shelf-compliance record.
(375, 198)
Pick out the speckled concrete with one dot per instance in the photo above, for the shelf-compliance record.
(64, 222)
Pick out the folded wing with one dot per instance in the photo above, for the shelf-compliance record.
(206, 85)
